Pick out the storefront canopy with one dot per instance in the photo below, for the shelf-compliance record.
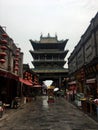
(7, 74)
(24, 81)
(72, 82)
(37, 86)
(93, 80)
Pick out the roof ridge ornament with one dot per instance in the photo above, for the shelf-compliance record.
(48, 34)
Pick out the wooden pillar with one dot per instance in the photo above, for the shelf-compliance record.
(60, 81)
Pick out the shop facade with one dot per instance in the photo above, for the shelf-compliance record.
(11, 61)
(83, 65)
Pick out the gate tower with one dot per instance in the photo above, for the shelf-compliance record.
(48, 59)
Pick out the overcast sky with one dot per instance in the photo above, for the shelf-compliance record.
(27, 19)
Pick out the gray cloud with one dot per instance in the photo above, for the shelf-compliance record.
(26, 19)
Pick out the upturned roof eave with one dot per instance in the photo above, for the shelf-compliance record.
(46, 52)
(37, 44)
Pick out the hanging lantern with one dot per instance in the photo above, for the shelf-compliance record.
(3, 47)
(4, 41)
(16, 59)
(16, 64)
(29, 77)
(17, 54)
(4, 35)
(2, 61)
(17, 50)
(3, 53)
(16, 68)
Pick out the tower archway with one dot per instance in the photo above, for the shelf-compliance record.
(49, 59)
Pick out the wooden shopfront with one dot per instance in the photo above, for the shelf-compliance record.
(87, 103)
(90, 108)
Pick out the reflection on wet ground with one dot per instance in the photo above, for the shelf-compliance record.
(61, 115)
(45, 103)
(41, 115)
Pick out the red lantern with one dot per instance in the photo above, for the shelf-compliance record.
(4, 35)
(3, 53)
(2, 61)
(3, 47)
(16, 59)
(4, 41)
(16, 68)
(16, 64)
(17, 54)
(17, 49)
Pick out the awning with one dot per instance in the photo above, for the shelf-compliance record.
(24, 81)
(91, 80)
(37, 86)
(8, 74)
(30, 81)
(72, 82)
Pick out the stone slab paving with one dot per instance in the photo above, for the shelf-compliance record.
(39, 115)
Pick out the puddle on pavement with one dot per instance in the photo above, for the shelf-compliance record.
(45, 103)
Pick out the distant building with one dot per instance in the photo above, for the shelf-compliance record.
(49, 55)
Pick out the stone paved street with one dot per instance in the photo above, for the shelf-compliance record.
(39, 115)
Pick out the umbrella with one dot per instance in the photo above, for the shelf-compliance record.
(56, 89)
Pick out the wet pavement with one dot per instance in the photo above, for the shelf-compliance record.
(40, 115)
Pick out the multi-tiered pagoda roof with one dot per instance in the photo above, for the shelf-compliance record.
(48, 53)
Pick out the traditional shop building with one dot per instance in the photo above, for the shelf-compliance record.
(11, 66)
(83, 62)
(30, 83)
(48, 59)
